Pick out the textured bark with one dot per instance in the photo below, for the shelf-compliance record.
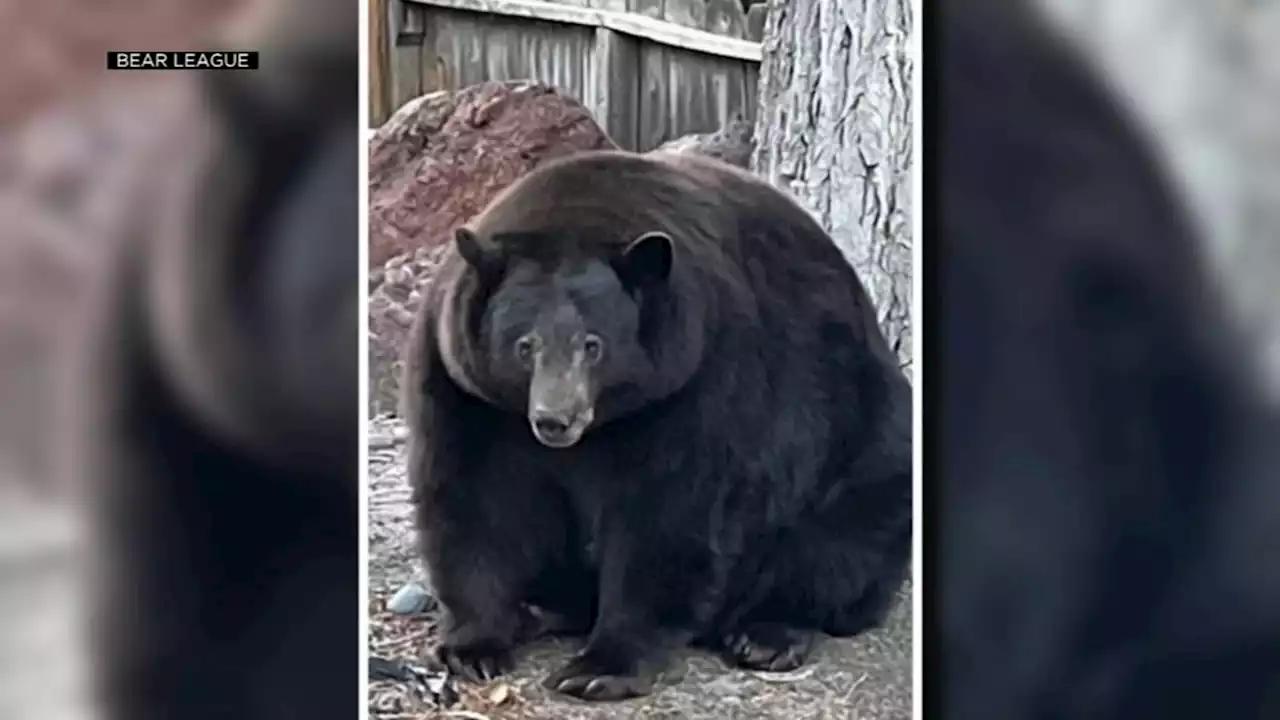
(834, 128)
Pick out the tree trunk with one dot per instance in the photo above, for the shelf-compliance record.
(834, 127)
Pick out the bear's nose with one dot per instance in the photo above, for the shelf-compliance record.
(550, 425)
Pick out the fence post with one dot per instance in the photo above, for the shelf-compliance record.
(379, 103)
(614, 88)
(405, 34)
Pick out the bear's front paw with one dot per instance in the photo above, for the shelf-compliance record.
(475, 659)
(593, 675)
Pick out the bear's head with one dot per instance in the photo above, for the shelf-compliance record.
(562, 332)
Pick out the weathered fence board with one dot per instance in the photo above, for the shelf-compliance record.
(647, 69)
(379, 60)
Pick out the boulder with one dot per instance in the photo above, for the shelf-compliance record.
(734, 143)
(442, 157)
(395, 294)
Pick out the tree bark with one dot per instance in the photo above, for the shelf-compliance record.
(834, 128)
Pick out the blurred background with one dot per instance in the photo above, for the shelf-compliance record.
(1204, 78)
(1103, 449)
(72, 136)
(73, 140)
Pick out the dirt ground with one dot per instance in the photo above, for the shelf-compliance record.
(863, 678)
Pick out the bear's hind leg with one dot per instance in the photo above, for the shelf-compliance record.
(839, 575)
(781, 633)
(843, 569)
(768, 646)
(869, 611)
(777, 640)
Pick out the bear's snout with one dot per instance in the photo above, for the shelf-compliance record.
(559, 428)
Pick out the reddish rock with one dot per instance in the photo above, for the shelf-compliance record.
(395, 294)
(442, 157)
(734, 143)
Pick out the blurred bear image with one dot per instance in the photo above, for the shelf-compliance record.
(1104, 457)
(217, 402)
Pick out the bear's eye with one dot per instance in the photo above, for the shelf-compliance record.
(524, 349)
(593, 348)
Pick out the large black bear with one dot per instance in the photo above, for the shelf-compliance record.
(649, 394)
(1105, 493)
(219, 411)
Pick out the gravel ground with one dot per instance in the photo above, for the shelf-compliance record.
(864, 678)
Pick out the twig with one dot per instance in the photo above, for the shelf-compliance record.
(468, 714)
(853, 687)
(402, 640)
(785, 677)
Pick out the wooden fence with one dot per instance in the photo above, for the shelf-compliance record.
(649, 70)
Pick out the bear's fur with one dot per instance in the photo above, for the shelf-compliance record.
(740, 461)
(220, 432)
(1101, 550)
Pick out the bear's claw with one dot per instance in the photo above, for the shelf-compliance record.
(769, 647)
(587, 678)
(475, 662)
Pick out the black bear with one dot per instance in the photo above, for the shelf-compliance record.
(650, 397)
(1102, 550)
(220, 406)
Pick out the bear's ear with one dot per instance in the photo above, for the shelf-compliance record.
(647, 260)
(480, 253)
